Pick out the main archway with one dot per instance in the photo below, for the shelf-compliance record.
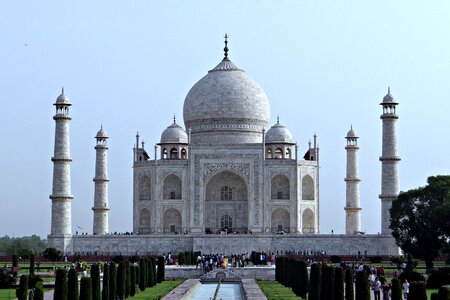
(226, 205)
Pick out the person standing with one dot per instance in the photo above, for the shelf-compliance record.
(376, 289)
(406, 289)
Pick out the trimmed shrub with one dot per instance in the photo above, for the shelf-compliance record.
(86, 288)
(289, 275)
(411, 276)
(444, 293)
(335, 259)
(150, 278)
(137, 273)
(22, 291)
(132, 280)
(376, 259)
(328, 282)
(32, 263)
(349, 289)
(417, 291)
(127, 279)
(315, 282)
(396, 289)
(142, 274)
(105, 291)
(32, 280)
(72, 284)
(60, 292)
(161, 270)
(338, 283)
(112, 281)
(438, 279)
(434, 296)
(15, 264)
(152, 272)
(39, 291)
(303, 281)
(121, 281)
(362, 286)
(95, 282)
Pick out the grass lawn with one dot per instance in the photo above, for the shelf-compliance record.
(274, 290)
(158, 291)
(7, 294)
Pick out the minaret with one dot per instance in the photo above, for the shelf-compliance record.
(61, 193)
(352, 208)
(101, 184)
(389, 161)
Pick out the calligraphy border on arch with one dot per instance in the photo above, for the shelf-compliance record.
(242, 169)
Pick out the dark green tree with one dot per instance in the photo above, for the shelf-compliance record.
(60, 292)
(161, 270)
(72, 284)
(338, 283)
(127, 279)
(138, 273)
(151, 272)
(396, 291)
(106, 280)
(132, 280)
(32, 258)
(327, 282)
(419, 221)
(22, 291)
(349, 284)
(86, 288)
(15, 264)
(302, 279)
(434, 296)
(121, 274)
(155, 273)
(95, 282)
(39, 291)
(362, 291)
(315, 282)
(444, 293)
(417, 291)
(142, 274)
(52, 254)
(112, 281)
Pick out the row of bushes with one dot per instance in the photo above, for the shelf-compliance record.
(188, 258)
(327, 282)
(119, 281)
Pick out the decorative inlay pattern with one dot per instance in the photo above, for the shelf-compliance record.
(213, 168)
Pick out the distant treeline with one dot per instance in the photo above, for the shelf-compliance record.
(22, 246)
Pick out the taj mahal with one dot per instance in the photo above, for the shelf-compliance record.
(224, 181)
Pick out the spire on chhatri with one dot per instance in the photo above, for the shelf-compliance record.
(62, 90)
(225, 49)
(389, 90)
(278, 119)
(174, 119)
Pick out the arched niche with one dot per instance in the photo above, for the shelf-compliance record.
(144, 218)
(280, 187)
(145, 190)
(172, 187)
(226, 196)
(307, 188)
(308, 221)
(280, 221)
(172, 221)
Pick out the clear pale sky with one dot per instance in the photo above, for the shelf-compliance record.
(129, 64)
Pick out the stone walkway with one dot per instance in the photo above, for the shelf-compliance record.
(181, 290)
(252, 290)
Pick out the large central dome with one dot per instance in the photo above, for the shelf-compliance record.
(226, 107)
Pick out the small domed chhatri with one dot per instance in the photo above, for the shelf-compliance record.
(389, 98)
(278, 134)
(62, 99)
(174, 134)
(351, 133)
(102, 133)
(226, 102)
